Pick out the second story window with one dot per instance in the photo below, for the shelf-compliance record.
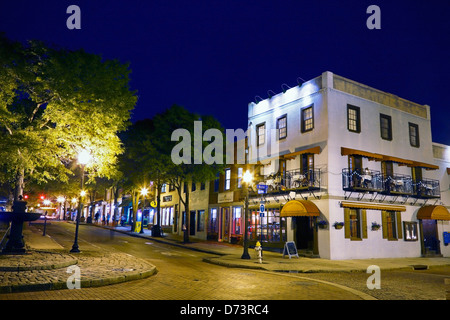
(239, 178)
(414, 134)
(386, 127)
(307, 119)
(353, 119)
(282, 127)
(260, 134)
(227, 179)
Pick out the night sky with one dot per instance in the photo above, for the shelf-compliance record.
(214, 57)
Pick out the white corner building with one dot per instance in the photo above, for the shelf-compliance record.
(346, 171)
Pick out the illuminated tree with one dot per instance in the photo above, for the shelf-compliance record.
(54, 103)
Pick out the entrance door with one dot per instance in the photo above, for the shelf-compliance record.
(304, 233)
(224, 224)
(192, 224)
(430, 237)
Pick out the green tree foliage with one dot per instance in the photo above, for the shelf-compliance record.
(55, 103)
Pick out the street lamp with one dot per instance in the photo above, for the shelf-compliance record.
(247, 180)
(83, 159)
(144, 192)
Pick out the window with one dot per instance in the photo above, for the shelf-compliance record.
(194, 186)
(200, 220)
(171, 187)
(414, 135)
(307, 119)
(237, 221)
(410, 229)
(213, 223)
(386, 127)
(227, 179)
(216, 182)
(353, 119)
(355, 224)
(163, 188)
(282, 127)
(391, 221)
(202, 186)
(260, 134)
(240, 175)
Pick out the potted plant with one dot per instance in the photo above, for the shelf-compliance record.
(322, 224)
(375, 226)
(338, 225)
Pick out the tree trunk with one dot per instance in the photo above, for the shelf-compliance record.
(19, 184)
(187, 218)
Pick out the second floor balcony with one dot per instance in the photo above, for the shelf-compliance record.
(291, 180)
(365, 180)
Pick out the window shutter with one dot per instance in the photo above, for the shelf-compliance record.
(383, 224)
(398, 219)
(364, 223)
(347, 222)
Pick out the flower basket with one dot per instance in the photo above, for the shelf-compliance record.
(322, 224)
(338, 225)
(375, 226)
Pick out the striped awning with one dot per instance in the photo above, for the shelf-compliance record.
(351, 152)
(433, 212)
(371, 206)
(313, 150)
(299, 208)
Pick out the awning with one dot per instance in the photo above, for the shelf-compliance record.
(297, 208)
(398, 160)
(424, 165)
(371, 206)
(351, 152)
(314, 150)
(433, 212)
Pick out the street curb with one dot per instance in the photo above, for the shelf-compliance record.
(85, 283)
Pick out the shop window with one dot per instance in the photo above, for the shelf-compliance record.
(410, 231)
(201, 220)
(237, 220)
(355, 224)
(391, 225)
(213, 223)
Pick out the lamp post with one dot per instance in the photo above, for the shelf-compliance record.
(144, 192)
(247, 180)
(83, 159)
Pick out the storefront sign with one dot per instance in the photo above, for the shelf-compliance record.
(225, 197)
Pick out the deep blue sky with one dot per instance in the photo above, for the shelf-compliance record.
(215, 56)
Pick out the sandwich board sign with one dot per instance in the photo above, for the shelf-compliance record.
(290, 249)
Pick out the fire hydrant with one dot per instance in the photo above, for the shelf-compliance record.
(258, 250)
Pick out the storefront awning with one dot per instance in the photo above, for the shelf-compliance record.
(296, 208)
(371, 206)
(426, 166)
(125, 202)
(370, 155)
(433, 212)
(313, 150)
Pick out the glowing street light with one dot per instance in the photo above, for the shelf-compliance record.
(144, 192)
(248, 178)
(84, 157)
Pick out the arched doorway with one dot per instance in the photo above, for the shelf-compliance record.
(428, 216)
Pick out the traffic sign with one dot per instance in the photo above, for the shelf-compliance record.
(262, 208)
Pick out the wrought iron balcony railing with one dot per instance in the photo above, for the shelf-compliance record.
(292, 180)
